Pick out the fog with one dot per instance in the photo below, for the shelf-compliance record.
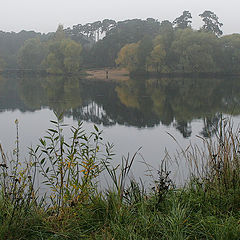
(45, 15)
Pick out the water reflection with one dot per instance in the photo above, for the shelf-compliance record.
(138, 102)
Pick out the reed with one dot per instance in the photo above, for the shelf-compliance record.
(207, 207)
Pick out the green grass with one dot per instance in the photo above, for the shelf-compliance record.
(183, 214)
(208, 207)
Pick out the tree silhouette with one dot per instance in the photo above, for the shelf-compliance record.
(183, 21)
(211, 23)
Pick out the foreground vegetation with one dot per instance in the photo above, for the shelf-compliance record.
(74, 206)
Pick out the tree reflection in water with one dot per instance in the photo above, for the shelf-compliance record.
(138, 102)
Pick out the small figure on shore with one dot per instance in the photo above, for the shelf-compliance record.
(106, 74)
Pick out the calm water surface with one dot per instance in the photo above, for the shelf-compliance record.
(132, 114)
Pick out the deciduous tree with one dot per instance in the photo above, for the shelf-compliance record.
(127, 57)
(230, 59)
(157, 58)
(195, 51)
(64, 55)
(31, 54)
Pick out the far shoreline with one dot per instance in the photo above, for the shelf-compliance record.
(119, 74)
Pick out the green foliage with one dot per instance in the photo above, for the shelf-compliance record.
(127, 57)
(179, 51)
(17, 194)
(90, 32)
(211, 23)
(194, 51)
(31, 54)
(175, 223)
(206, 208)
(64, 55)
(120, 34)
(99, 43)
(69, 169)
(157, 58)
(230, 46)
(56, 55)
(183, 21)
(222, 172)
(145, 46)
(11, 43)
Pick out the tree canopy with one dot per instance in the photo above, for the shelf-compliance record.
(64, 55)
(136, 44)
(184, 21)
(31, 54)
(127, 57)
(58, 55)
(211, 23)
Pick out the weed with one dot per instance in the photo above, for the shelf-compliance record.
(206, 208)
(69, 168)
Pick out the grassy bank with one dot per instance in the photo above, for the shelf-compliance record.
(207, 207)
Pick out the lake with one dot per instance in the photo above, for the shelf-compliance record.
(135, 113)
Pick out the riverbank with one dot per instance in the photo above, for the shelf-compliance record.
(122, 74)
(118, 74)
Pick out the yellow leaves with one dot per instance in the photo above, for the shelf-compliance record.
(90, 169)
(157, 57)
(158, 40)
(127, 56)
(69, 165)
(93, 167)
(185, 221)
(97, 149)
(84, 163)
(158, 53)
(83, 171)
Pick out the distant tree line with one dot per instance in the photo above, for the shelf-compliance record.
(53, 52)
(179, 48)
(138, 45)
(10, 43)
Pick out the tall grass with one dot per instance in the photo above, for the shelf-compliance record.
(206, 208)
(70, 168)
(215, 170)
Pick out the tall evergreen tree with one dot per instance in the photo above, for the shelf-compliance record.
(211, 23)
(183, 21)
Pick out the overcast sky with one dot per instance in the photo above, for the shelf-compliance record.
(45, 15)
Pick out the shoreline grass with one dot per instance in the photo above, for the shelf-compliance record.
(207, 207)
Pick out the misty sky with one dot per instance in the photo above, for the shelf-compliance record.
(45, 15)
